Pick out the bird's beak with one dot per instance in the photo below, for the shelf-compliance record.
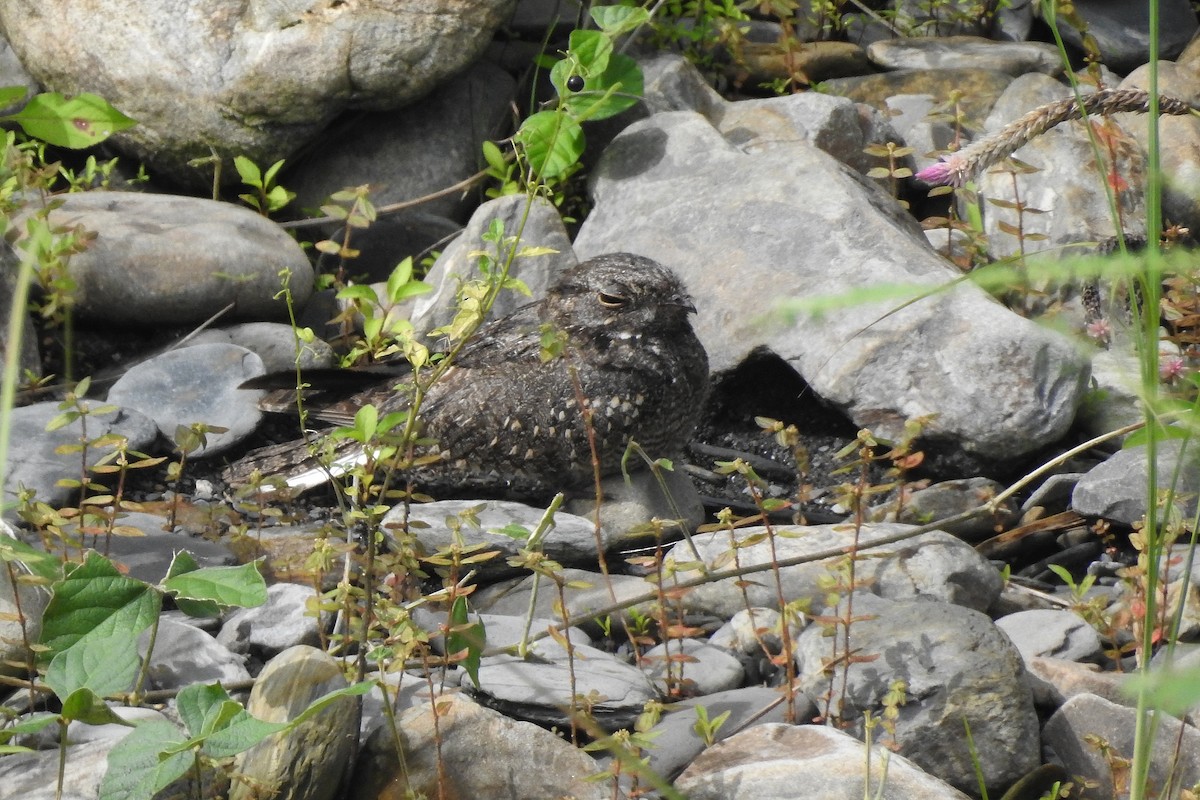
(683, 301)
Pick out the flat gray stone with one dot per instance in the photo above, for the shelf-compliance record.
(161, 259)
(198, 384)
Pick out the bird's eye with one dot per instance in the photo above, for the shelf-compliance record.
(612, 300)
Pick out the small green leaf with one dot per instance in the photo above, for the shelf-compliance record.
(513, 531)
(28, 724)
(135, 771)
(616, 20)
(248, 171)
(242, 586)
(616, 89)
(1174, 690)
(1161, 432)
(494, 157)
(84, 705)
(552, 143)
(272, 171)
(76, 122)
(205, 708)
(10, 95)
(590, 50)
(468, 635)
(40, 563)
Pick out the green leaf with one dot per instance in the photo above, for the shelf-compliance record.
(552, 143)
(590, 50)
(10, 95)
(469, 636)
(616, 89)
(513, 531)
(134, 769)
(366, 422)
(94, 600)
(83, 705)
(272, 171)
(205, 708)
(1161, 432)
(182, 564)
(358, 291)
(494, 157)
(239, 734)
(248, 171)
(39, 562)
(1174, 690)
(76, 122)
(616, 20)
(29, 724)
(411, 289)
(319, 705)
(101, 664)
(241, 586)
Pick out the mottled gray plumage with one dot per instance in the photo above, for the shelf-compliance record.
(508, 423)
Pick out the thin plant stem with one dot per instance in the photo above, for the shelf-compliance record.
(1146, 721)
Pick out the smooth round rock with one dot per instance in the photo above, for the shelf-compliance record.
(159, 259)
(196, 384)
(256, 79)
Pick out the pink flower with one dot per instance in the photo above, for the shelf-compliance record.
(1170, 368)
(950, 170)
(1100, 330)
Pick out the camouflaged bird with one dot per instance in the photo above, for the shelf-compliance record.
(507, 421)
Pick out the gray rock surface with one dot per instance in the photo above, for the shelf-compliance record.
(198, 384)
(586, 592)
(1056, 634)
(433, 526)
(542, 688)
(662, 189)
(1116, 489)
(258, 80)
(483, 754)
(407, 154)
(676, 742)
(933, 565)
(307, 761)
(171, 260)
(956, 665)
(771, 762)
(284, 621)
(951, 52)
(33, 460)
(1175, 750)
(184, 654)
(1179, 137)
(1066, 189)
(275, 343)
(695, 666)
(539, 226)
(1122, 30)
(148, 556)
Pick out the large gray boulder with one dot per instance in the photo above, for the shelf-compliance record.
(764, 220)
(253, 78)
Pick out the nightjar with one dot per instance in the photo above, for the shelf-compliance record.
(507, 421)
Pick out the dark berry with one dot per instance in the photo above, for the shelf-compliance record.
(575, 83)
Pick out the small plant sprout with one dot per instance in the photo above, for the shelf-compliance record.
(267, 196)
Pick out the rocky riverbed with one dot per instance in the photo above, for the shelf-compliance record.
(954, 649)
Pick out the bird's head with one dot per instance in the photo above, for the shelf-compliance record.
(619, 295)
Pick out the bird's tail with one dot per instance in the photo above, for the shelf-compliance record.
(295, 466)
